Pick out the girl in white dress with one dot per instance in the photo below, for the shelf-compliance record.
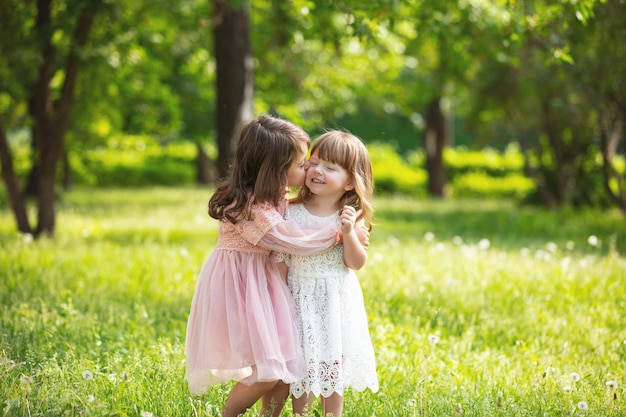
(330, 311)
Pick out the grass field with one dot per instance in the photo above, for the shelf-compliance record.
(477, 308)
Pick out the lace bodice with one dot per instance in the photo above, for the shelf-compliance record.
(314, 266)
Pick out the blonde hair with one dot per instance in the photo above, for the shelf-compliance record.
(349, 152)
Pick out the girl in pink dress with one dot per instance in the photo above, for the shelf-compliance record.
(241, 325)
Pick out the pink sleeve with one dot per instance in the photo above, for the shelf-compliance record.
(287, 237)
(271, 231)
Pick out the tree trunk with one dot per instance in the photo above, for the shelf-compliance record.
(205, 169)
(234, 76)
(608, 145)
(51, 119)
(12, 184)
(435, 140)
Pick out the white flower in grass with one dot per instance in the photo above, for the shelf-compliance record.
(90, 398)
(611, 384)
(411, 402)
(582, 405)
(567, 388)
(429, 236)
(433, 339)
(25, 379)
(88, 375)
(551, 247)
(146, 414)
(593, 240)
(574, 377)
(27, 238)
(484, 244)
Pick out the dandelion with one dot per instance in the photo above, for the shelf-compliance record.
(551, 247)
(611, 384)
(574, 377)
(484, 244)
(25, 379)
(567, 388)
(411, 403)
(146, 414)
(87, 375)
(429, 236)
(582, 405)
(433, 339)
(457, 240)
(27, 238)
(90, 398)
(593, 240)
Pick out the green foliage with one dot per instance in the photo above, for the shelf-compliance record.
(131, 161)
(476, 308)
(392, 174)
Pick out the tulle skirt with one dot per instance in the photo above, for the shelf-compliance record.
(241, 325)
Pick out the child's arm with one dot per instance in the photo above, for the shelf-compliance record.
(354, 254)
(269, 230)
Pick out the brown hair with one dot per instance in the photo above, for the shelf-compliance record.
(266, 147)
(349, 152)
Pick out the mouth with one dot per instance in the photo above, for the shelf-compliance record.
(316, 181)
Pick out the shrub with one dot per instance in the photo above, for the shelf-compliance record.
(392, 174)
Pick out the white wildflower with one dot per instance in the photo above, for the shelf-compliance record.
(574, 377)
(611, 384)
(593, 240)
(25, 379)
(90, 398)
(433, 339)
(551, 247)
(146, 414)
(484, 244)
(87, 375)
(582, 405)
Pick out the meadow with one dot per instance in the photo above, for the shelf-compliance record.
(476, 308)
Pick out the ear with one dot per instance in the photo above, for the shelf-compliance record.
(349, 186)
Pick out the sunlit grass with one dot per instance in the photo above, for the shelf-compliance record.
(477, 308)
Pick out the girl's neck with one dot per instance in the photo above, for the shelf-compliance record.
(320, 206)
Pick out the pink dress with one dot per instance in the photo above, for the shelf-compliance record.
(241, 325)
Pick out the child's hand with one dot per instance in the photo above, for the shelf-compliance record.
(348, 218)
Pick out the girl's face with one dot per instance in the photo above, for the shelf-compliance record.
(326, 178)
(297, 170)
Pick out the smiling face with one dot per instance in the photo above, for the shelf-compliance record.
(327, 179)
(297, 170)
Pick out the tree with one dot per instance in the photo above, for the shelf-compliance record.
(49, 107)
(234, 82)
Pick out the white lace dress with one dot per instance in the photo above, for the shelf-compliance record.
(331, 318)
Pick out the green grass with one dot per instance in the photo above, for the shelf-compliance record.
(518, 300)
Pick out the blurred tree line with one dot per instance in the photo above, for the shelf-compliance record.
(550, 75)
